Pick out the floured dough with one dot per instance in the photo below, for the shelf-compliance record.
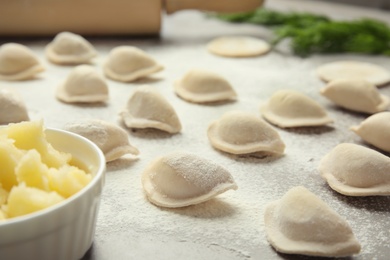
(202, 86)
(356, 94)
(375, 130)
(18, 62)
(290, 108)
(69, 48)
(146, 108)
(181, 179)
(239, 132)
(349, 69)
(110, 138)
(302, 223)
(128, 63)
(356, 170)
(83, 84)
(12, 107)
(238, 46)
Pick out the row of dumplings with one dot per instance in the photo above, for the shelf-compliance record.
(189, 176)
(85, 85)
(235, 132)
(298, 223)
(124, 63)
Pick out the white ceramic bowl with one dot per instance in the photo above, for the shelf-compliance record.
(65, 230)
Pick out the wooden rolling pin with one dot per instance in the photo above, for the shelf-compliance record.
(101, 17)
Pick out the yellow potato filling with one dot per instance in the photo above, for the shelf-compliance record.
(34, 175)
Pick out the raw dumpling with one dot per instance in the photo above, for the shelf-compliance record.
(18, 62)
(85, 85)
(147, 108)
(356, 94)
(302, 223)
(289, 108)
(243, 133)
(181, 179)
(12, 107)
(69, 48)
(200, 86)
(127, 63)
(238, 46)
(110, 138)
(374, 74)
(356, 170)
(375, 130)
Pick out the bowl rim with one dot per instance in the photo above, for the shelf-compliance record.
(100, 172)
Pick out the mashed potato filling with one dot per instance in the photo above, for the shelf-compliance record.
(34, 175)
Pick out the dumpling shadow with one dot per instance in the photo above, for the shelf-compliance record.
(87, 105)
(368, 145)
(214, 208)
(355, 114)
(148, 133)
(371, 203)
(253, 158)
(121, 163)
(147, 80)
(209, 104)
(305, 257)
(317, 130)
(216, 103)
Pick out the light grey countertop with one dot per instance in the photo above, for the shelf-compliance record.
(230, 226)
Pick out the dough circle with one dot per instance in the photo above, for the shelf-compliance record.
(373, 73)
(238, 46)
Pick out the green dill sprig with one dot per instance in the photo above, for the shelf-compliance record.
(311, 33)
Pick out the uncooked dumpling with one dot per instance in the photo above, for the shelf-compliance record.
(239, 132)
(356, 170)
(18, 62)
(375, 130)
(290, 108)
(302, 223)
(356, 94)
(182, 179)
(70, 48)
(12, 107)
(85, 85)
(374, 74)
(238, 46)
(146, 108)
(110, 138)
(201, 86)
(128, 63)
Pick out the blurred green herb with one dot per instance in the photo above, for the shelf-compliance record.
(311, 33)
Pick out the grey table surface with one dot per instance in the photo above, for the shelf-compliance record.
(230, 226)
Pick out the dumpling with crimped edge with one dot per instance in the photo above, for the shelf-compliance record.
(110, 138)
(128, 63)
(375, 130)
(355, 170)
(69, 48)
(18, 62)
(302, 223)
(239, 132)
(181, 179)
(12, 107)
(83, 85)
(356, 95)
(290, 108)
(147, 108)
(202, 86)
